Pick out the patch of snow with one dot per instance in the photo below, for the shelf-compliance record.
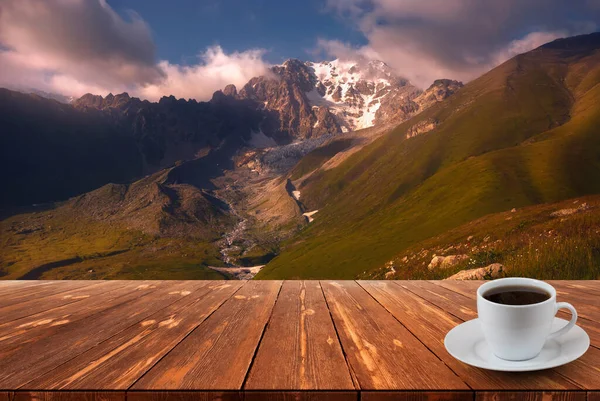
(336, 74)
(309, 215)
(296, 195)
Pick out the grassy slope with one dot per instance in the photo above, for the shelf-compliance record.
(58, 236)
(533, 242)
(524, 133)
(146, 230)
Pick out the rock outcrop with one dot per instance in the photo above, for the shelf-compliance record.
(566, 212)
(177, 129)
(421, 127)
(309, 100)
(440, 90)
(495, 270)
(445, 262)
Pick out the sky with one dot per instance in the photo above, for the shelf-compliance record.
(191, 48)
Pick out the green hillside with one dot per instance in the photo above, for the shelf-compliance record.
(150, 229)
(548, 241)
(525, 133)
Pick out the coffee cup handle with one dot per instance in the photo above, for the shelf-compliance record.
(569, 326)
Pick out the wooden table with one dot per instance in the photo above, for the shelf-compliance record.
(271, 340)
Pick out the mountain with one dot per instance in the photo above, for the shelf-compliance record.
(308, 100)
(131, 186)
(49, 95)
(525, 133)
(54, 151)
(152, 228)
(50, 150)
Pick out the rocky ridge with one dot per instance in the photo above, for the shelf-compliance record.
(305, 100)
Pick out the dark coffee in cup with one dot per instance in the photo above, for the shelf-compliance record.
(517, 295)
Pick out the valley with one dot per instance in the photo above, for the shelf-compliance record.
(336, 170)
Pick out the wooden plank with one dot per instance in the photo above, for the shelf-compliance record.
(69, 396)
(582, 372)
(530, 396)
(38, 292)
(301, 342)
(217, 355)
(416, 396)
(4, 396)
(589, 286)
(25, 361)
(301, 396)
(382, 353)
(457, 304)
(12, 285)
(38, 305)
(184, 396)
(467, 288)
(593, 396)
(430, 324)
(587, 305)
(27, 328)
(118, 362)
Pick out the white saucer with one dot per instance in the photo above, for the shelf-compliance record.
(466, 343)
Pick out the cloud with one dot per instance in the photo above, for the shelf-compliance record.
(460, 39)
(83, 39)
(77, 46)
(215, 70)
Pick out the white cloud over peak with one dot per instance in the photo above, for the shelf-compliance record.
(458, 39)
(73, 47)
(215, 70)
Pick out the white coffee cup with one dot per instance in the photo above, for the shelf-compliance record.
(518, 332)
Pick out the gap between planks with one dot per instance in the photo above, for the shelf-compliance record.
(171, 285)
(413, 334)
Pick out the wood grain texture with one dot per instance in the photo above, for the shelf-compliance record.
(467, 288)
(430, 324)
(587, 305)
(20, 362)
(185, 396)
(416, 396)
(301, 396)
(118, 362)
(382, 353)
(530, 396)
(457, 304)
(177, 340)
(582, 372)
(41, 291)
(19, 285)
(301, 342)
(48, 321)
(588, 286)
(38, 305)
(593, 396)
(217, 355)
(69, 396)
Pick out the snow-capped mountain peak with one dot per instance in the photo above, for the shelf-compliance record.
(308, 99)
(354, 90)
